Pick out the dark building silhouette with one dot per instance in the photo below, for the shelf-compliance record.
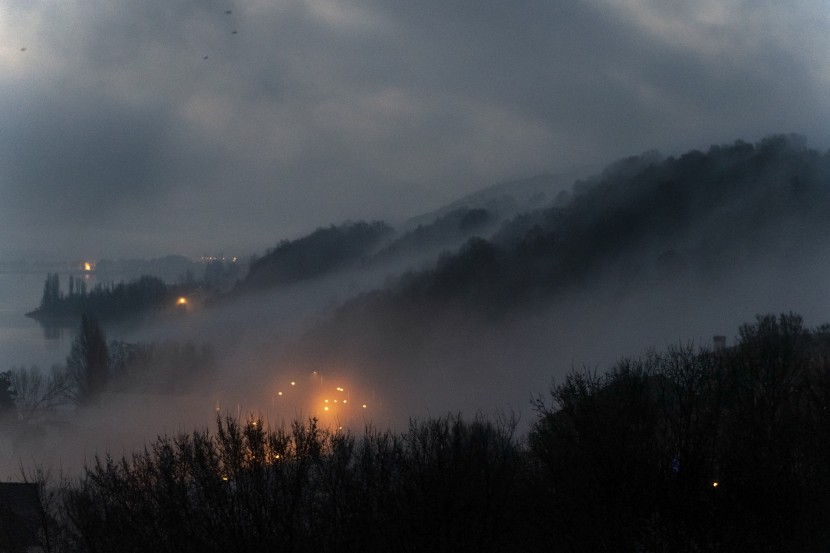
(20, 518)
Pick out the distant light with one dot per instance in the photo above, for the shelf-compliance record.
(87, 266)
(326, 408)
(364, 406)
(182, 301)
(715, 484)
(224, 478)
(345, 401)
(279, 393)
(339, 389)
(293, 383)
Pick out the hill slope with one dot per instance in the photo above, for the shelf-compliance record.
(650, 250)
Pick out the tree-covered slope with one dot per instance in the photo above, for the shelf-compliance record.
(324, 250)
(739, 211)
(647, 218)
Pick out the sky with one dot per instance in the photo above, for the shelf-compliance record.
(141, 129)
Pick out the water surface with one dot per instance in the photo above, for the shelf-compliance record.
(23, 341)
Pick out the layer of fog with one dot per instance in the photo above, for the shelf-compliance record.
(471, 366)
(461, 362)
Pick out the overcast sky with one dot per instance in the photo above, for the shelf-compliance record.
(143, 128)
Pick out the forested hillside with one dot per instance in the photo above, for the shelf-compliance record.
(645, 217)
(736, 221)
(324, 250)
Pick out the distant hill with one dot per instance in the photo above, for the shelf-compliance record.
(643, 217)
(445, 232)
(321, 252)
(507, 198)
(647, 217)
(749, 211)
(331, 249)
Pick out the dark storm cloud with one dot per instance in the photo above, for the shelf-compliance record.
(80, 156)
(281, 116)
(646, 74)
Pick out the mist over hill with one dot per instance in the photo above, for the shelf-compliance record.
(652, 250)
(473, 310)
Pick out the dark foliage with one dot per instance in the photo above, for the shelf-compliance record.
(446, 231)
(7, 395)
(694, 451)
(322, 251)
(445, 485)
(643, 219)
(163, 368)
(88, 362)
(105, 302)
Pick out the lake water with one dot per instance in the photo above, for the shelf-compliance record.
(23, 341)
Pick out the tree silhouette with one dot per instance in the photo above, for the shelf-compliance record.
(7, 395)
(88, 361)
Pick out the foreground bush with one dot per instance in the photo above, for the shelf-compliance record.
(445, 485)
(687, 450)
(694, 450)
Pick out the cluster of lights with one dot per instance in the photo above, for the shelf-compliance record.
(222, 258)
(331, 403)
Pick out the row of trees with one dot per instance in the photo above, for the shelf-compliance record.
(106, 301)
(695, 451)
(685, 450)
(95, 366)
(443, 485)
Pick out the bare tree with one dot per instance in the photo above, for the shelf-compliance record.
(35, 391)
